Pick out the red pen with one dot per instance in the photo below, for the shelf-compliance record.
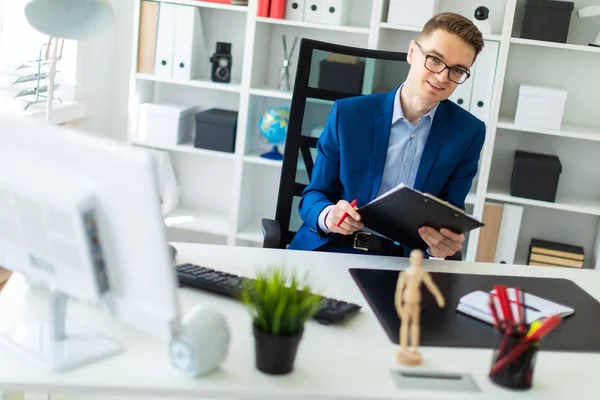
(344, 215)
(547, 326)
(505, 306)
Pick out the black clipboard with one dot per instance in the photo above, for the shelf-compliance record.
(399, 213)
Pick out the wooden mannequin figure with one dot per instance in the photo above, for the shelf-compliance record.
(408, 306)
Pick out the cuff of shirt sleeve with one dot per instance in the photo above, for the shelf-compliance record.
(431, 257)
(322, 216)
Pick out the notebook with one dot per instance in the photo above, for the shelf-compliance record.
(476, 305)
(400, 212)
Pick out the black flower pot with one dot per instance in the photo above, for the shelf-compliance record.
(275, 354)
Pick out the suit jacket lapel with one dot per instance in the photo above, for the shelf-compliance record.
(381, 137)
(435, 139)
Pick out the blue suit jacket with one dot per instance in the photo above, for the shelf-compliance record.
(352, 151)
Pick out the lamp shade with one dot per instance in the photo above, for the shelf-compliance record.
(69, 19)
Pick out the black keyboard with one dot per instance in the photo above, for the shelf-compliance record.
(230, 285)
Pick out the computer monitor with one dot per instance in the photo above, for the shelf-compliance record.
(82, 214)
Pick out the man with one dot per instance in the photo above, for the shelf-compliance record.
(413, 135)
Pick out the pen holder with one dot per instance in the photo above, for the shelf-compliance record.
(513, 362)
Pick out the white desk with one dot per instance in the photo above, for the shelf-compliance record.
(333, 362)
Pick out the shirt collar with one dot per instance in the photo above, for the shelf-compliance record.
(398, 114)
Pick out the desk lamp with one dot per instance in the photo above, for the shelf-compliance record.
(590, 11)
(67, 19)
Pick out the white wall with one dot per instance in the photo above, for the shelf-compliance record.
(104, 66)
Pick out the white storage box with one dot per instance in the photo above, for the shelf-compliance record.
(540, 107)
(166, 124)
(331, 12)
(412, 12)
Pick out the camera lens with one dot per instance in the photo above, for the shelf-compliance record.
(222, 73)
(482, 13)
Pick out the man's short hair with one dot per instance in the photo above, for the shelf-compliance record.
(458, 25)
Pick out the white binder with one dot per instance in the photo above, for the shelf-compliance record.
(294, 10)
(483, 80)
(508, 236)
(464, 91)
(190, 56)
(163, 63)
(331, 12)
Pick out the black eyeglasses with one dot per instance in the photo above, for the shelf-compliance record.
(435, 65)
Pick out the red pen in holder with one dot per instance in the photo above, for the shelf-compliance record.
(518, 373)
(514, 350)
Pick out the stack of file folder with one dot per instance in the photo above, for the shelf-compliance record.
(551, 254)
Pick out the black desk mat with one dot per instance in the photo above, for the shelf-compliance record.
(447, 327)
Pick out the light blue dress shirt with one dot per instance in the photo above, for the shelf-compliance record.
(403, 157)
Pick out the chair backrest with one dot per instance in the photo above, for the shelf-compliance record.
(326, 72)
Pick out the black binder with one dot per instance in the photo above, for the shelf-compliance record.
(399, 213)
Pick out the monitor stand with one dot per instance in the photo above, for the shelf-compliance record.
(58, 344)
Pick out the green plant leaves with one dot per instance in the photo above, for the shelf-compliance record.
(280, 303)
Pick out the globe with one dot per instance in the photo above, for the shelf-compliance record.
(273, 126)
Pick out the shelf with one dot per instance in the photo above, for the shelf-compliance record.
(270, 92)
(567, 131)
(257, 159)
(408, 28)
(411, 28)
(565, 203)
(198, 221)
(471, 199)
(251, 232)
(301, 24)
(554, 45)
(207, 4)
(201, 83)
(186, 148)
(489, 36)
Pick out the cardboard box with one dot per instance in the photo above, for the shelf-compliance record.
(540, 107)
(411, 12)
(216, 130)
(535, 176)
(547, 20)
(166, 124)
(4, 275)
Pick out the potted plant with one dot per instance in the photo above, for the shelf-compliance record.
(280, 304)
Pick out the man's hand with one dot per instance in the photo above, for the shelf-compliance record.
(351, 223)
(443, 243)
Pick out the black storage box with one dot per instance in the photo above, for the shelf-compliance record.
(215, 130)
(547, 20)
(535, 176)
(342, 77)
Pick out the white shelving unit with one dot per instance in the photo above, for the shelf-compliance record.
(224, 195)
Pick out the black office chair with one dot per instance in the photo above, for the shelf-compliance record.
(326, 72)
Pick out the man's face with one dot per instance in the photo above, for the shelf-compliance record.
(445, 47)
